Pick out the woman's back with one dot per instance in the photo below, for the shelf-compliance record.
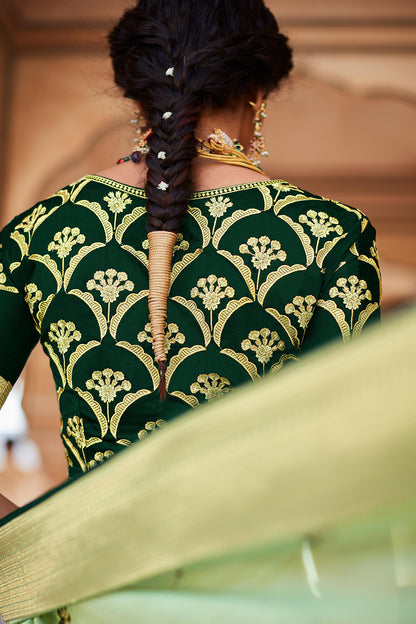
(260, 272)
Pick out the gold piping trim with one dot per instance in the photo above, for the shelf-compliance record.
(196, 195)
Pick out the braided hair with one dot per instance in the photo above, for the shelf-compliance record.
(182, 56)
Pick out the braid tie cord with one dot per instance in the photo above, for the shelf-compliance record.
(161, 245)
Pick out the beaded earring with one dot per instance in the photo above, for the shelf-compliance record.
(258, 145)
(141, 147)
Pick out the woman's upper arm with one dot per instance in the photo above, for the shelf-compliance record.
(350, 297)
(18, 334)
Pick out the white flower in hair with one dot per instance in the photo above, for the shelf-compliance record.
(163, 186)
(167, 115)
(169, 72)
(162, 155)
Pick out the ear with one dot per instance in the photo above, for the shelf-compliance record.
(140, 111)
(260, 98)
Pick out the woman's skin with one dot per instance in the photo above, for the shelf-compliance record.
(237, 123)
(6, 506)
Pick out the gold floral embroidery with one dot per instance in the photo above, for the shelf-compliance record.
(302, 308)
(150, 427)
(99, 458)
(264, 343)
(64, 241)
(63, 333)
(218, 206)
(3, 280)
(263, 252)
(172, 335)
(117, 202)
(211, 386)
(33, 296)
(352, 291)
(213, 290)
(110, 284)
(106, 383)
(321, 225)
(75, 429)
(27, 227)
(29, 222)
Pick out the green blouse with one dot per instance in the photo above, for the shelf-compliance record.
(261, 273)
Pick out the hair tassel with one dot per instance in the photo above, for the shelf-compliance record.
(162, 383)
(161, 245)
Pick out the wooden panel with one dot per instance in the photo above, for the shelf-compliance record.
(37, 11)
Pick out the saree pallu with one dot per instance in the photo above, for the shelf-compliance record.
(292, 500)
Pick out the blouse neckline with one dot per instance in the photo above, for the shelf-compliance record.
(224, 190)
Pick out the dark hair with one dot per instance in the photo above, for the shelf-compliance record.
(221, 50)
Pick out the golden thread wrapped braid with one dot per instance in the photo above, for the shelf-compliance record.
(161, 245)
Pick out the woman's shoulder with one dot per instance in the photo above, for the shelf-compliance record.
(286, 200)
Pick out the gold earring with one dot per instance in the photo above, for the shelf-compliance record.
(258, 145)
(142, 134)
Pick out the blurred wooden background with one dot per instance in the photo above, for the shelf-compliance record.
(343, 127)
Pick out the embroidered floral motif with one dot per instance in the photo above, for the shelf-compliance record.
(29, 222)
(110, 284)
(213, 289)
(321, 225)
(353, 293)
(117, 202)
(3, 280)
(181, 244)
(99, 458)
(2, 275)
(107, 384)
(302, 308)
(218, 206)
(63, 333)
(172, 335)
(264, 251)
(75, 429)
(33, 296)
(264, 343)
(211, 386)
(64, 241)
(150, 427)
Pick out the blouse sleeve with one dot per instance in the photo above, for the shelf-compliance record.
(18, 334)
(350, 296)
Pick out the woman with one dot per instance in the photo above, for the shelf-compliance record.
(257, 271)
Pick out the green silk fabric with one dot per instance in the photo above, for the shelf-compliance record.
(261, 274)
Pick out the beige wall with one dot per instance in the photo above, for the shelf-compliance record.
(343, 126)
